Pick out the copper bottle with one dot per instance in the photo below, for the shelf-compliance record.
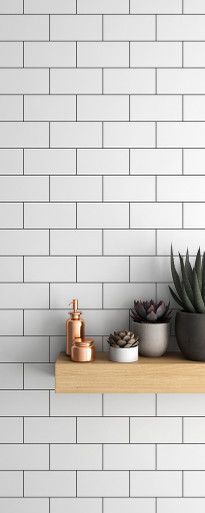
(83, 350)
(75, 326)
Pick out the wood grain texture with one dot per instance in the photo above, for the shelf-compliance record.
(168, 374)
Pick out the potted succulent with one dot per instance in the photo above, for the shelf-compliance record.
(190, 295)
(123, 346)
(151, 322)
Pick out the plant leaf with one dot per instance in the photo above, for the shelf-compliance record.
(187, 304)
(175, 276)
(203, 278)
(188, 268)
(198, 268)
(198, 300)
(185, 280)
(176, 298)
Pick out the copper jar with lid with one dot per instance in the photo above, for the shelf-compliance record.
(83, 350)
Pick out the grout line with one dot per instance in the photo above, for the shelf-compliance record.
(76, 483)
(155, 456)
(182, 429)
(76, 428)
(102, 27)
(102, 405)
(182, 483)
(102, 456)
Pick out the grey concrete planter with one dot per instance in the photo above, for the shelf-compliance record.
(190, 335)
(153, 338)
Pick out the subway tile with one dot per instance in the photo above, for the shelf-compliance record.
(11, 322)
(76, 188)
(49, 108)
(194, 430)
(11, 108)
(156, 215)
(181, 505)
(194, 54)
(129, 242)
(69, 405)
(156, 161)
(122, 295)
(50, 269)
(24, 188)
(179, 135)
(181, 81)
(14, 6)
(49, 54)
(78, 134)
(126, 28)
(103, 6)
(156, 54)
(130, 505)
(196, 7)
(181, 457)
(74, 242)
(11, 269)
(23, 295)
(80, 28)
(175, 28)
(18, 242)
(24, 457)
(132, 188)
(103, 108)
(106, 484)
(49, 430)
(49, 6)
(103, 269)
(49, 161)
(132, 405)
(181, 240)
(180, 188)
(103, 322)
(103, 54)
(76, 81)
(44, 322)
(103, 161)
(76, 505)
(194, 484)
(129, 134)
(49, 215)
(89, 295)
(11, 161)
(23, 402)
(39, 376)
(155, 6)
(153, 483)
(24, 505)
(24, 349)
(155, 108)
(76, 457)
(14, 28)
(103, 215)
(11, 215)
(150, 269)
(181, 404)
(23, 81)
(50, 483)
(11, 376)
(11, 54)
(155, 430)
(20, 134)
(11, 484)
(194, 161)
(194, 108)
(129, 81)
(129, 457)
(103, 430)
(11, 430)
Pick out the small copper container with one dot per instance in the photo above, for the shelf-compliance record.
(83, 350)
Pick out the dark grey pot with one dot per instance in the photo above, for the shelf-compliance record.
(190, 335)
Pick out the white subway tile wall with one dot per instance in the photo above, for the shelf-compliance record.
(102, 166)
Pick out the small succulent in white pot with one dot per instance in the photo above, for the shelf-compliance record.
(151, 323)
(123, 346)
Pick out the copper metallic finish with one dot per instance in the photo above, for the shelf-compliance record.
(83, 350)
(75, 327)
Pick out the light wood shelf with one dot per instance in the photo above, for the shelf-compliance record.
(169, 374)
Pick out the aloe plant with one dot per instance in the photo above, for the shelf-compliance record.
(190, 286)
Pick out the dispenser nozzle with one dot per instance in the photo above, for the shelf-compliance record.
(74, 303)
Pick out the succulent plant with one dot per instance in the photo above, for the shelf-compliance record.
(149, 311)
(190, 286)
(123, 339)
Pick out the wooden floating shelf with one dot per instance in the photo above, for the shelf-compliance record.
(169, 374)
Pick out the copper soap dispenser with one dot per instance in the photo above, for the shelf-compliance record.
(75, 326)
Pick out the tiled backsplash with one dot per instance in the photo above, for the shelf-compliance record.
(102, 164)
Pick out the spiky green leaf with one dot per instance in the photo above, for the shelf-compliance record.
(185, 280)
(175, 297)
(203, 278)
(187, 304)
(188, 268)
(198, 268)
(198, 300)
(175, 276)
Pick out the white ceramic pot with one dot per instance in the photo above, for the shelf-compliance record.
(153, 338)
(123, 354)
